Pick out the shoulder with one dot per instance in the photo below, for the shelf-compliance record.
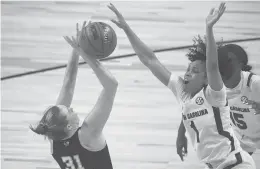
(175, 82)
(254, 83)
(91, 141)
(216, 98)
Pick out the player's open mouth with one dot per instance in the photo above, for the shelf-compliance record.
(186, 81)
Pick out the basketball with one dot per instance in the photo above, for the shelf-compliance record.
(99, 39)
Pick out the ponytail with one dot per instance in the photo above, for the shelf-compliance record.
(41, 128)
(52, 125)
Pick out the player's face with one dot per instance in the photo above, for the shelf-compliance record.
(64, 127)
(231, 68)
(195, 76)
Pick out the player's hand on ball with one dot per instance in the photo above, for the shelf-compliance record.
(74, 42)
(182, 146)
(215, 14)
(121, 23)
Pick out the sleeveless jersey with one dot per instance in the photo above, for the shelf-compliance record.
(70, 154)
(209, 129)
(244, 122)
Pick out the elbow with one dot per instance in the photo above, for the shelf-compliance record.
(112, 86)
(149, 62)
(114, 82)
(147, 59)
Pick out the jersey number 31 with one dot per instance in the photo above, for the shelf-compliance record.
(70, 162)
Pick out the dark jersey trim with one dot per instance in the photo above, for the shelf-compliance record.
(220, 129)
(239, 161)
(249, 79)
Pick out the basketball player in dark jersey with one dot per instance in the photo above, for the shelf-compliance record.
(74, 146)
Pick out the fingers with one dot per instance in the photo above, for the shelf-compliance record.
(179, 152)
(254, 105)
(222, 8)
(72, 44)
(67, 39)
(77, 28)
(185, 146)
(88, 22)
(80, 32)
(83, 26)
(115, 22)
(113, 8)
(211, 11)
(251, 102)
(75, 42)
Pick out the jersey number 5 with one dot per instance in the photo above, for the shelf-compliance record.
(70, 162)
(237, 120)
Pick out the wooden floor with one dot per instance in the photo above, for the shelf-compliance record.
(142, 128)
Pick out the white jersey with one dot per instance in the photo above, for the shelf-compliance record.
(207, 121)
(245, 123)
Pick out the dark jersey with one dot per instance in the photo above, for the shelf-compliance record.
(70, 154)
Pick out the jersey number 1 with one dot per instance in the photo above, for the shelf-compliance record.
(70, 162)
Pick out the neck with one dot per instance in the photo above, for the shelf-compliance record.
(68, 135)
(193, 93)
(233, 81)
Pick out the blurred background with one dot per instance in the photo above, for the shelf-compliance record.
(141, 131)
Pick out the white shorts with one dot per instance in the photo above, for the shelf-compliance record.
(236, 160)
(246, 143)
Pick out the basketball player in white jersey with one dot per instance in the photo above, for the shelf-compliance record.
(243, 93)
(74, 146)
(202, 97)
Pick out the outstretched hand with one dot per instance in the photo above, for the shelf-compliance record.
(254, 105)
(182, 147)
(74, 42)
(215, 14)
(121, 23)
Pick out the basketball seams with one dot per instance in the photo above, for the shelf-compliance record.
(112, 38)
(92, 40)
(89, 41)
(101, 35)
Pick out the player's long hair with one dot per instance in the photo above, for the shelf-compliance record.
(198, 49)
(52, 123)
(198, 52)
(240, 54)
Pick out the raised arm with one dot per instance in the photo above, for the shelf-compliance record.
(213, 74)
(69, 82)
(145, 54)
(95, 121)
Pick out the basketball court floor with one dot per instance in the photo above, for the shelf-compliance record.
(141, 131)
